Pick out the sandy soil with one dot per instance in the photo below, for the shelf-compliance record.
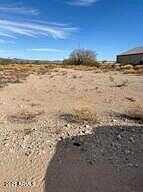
(44, 148)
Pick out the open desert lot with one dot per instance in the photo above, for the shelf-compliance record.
(70, 130)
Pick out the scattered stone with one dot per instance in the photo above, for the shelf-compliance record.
(77, 144)
(83, 131)
(27, 153)
(127, 151)
(68, 125)
(87, 126)
(119, 137)
(114, 120)
(132, 139)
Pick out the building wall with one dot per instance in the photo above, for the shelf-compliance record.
(130, 59)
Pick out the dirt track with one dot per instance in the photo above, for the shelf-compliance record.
(41, 139)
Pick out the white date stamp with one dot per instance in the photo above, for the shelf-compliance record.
(18, 183)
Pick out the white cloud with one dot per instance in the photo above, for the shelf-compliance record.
(46, 50)
(83, 3)
(2, 34)
(18, 10)
(34, 29)
(12, 29)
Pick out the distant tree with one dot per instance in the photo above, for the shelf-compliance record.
(81, 57)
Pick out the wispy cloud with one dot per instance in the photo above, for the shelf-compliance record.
(2, 34)
(34, 29)
(46, 50)
(13, 29)
(18, 10)
(84, 3)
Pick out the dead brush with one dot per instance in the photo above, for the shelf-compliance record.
(131, 99)
(80, 116)
(134, 114)
(14, 73)
(28, 131)
(122, 84)
(25, 132)
(24, 117)
(135, 70)
(116, 83)
(111, 78)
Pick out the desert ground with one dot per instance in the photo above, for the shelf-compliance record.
(70, 130)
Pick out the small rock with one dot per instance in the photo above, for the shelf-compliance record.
(136, 165)
(77, 144)
(61, 138)
(83, 131)
(68, 134)
(127, 151)
(119, 137)
(132, 139)
(27, 153)
(130, 165)
(87, 126)
(68, 125)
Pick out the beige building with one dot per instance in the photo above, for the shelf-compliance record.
(133, 56)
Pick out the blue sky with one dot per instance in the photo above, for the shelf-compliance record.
(50, 29)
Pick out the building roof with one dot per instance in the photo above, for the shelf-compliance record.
(135, 51)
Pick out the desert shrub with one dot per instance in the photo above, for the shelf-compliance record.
(136, 114)
(122, 84)
(127, 67)
(83, 115)
(133, 114)
(117, 67)
(81, 57)
(137, 67)
(24, 116)
(106, 67)
(130, 71)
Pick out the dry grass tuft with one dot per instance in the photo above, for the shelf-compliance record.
(83, 115)
(131, 99)
(79, 67)
(27, 131)
(127, 67)
(134, 114)
(122, 84)
(24, 117)
(111, 78)
(133, 69)
(14, 73)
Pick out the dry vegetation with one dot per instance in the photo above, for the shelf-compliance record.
(70, 102)
(135, 114)
(132, 114)
(15, 73)
(81, 116)
(101, 67)
(24, 116)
